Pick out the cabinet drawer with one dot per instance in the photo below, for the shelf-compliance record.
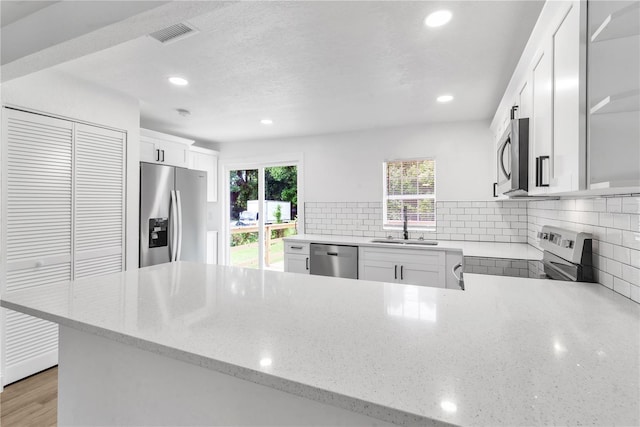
(296, 248)
(404, 256)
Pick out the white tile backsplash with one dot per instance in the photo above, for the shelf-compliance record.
(492, 221)
(614, 223)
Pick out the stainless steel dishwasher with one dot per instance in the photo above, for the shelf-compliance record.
(334, 260)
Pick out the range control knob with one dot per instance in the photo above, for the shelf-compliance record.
(567, 243)
(543, 236)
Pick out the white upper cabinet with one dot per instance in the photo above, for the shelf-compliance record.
(549, 87)
(541, 137)
(157, 147)
(569, 142)
(206, 160)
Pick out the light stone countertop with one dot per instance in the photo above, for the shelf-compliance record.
(522, 251)
(506, 351)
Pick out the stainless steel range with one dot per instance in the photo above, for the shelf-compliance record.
(567, 255)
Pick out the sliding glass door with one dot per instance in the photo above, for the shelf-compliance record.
(263, 209)
(243, 218)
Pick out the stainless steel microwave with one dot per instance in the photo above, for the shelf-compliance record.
(513, 159)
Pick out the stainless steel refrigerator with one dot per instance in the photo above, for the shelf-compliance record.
(173, 204)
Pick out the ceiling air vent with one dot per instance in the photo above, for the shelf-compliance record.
(174, 33)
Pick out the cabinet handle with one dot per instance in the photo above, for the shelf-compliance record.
(542, 181)
(296, 247)
(395, 272)
(162, 155)
(307, 263)
(402, 272)
(495, 189)
(157, 155)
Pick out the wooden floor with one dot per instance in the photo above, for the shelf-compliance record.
(31, 402)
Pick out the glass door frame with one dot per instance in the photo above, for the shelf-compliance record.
(292, 159)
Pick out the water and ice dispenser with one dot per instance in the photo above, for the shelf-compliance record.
(158, 228)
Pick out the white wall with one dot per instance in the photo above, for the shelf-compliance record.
(61, 95)
(348, 166)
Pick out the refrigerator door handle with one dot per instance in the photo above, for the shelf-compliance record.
(174, 227)
(179, 245)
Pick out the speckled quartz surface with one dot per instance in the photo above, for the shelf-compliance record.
(522, 251)
(506, 351)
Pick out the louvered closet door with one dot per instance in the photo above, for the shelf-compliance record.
(99, 204)
(37, 226)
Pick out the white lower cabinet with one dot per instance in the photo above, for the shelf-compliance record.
(418, 266)
(408, 266)
(296, 257)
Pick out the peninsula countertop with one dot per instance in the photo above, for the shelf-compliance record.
(521, 251)
(506, 351)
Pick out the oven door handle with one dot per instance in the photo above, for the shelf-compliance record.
(559, 272)
(458, 278)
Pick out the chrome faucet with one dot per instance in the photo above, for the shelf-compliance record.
(405, 231)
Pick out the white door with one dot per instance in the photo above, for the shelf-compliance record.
(262, 210)
(63, 218)
(36, 230)
(99, 201)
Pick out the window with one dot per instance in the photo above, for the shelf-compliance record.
(410, 183)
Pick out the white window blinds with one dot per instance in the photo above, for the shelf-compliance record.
(409, 183)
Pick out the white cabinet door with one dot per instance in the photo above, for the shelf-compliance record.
(156, 147)
(423, 275)
(162, 152)
(378, 271)
(296, 257)
(173, 154)
(36, 232)
(99, 207)
(568, 140)
(206, 160)
(413, 267)
(296, 263)
(542, 114)
(148, 151)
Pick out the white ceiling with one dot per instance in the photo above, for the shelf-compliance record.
(14, 10)
(319, 67)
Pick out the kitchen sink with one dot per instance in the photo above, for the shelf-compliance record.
(406, 242)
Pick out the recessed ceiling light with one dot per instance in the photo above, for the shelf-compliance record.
(444, 98)
(265, 361)
(266, 121)
(178, 81)
(448, 406)
(437, 19)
